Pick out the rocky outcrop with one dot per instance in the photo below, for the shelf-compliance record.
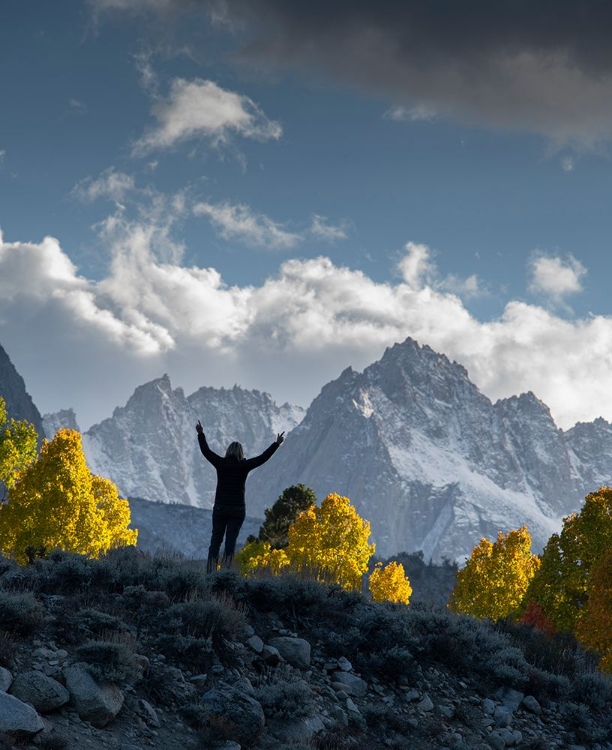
(63, 418)
(19, 404)
(18, 717)
(95, 702)
(43, 693)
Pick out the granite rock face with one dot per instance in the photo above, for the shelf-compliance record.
(149, 447)
(432, 462)
(19, 404)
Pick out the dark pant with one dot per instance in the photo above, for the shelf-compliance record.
(226, 521)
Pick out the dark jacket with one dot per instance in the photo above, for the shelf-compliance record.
(232, 473)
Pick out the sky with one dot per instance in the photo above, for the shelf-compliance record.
(264, 193)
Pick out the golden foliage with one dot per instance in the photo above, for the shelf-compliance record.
(390, 583)
(594, 628)
(259, 556)
(495, 578)
(58, 503)
(562, 583)
(17, 447)
(330, 543)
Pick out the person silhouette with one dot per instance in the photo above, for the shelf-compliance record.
(229, 510)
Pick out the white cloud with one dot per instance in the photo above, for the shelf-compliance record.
(426, 112)
(200, 108)
(556, 277)
(323, 230)
(110, 184)
(2, 155)
(88, 344)
(568, 163)
(239, 222)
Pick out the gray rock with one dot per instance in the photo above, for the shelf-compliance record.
(358, 686)
(271, 656)
(510, 697)
(344, 664)
(339, 714)
(6, 678)
(42, 692)
(496, 741)
(123, 746)
(502, 716)
(351, 707)
(242, 715)
(294, 650)
(299, 730)
(244, 685)
(507, 736)
(96, 703)
(16, 716)
(256, 644)
(425, 704)
(149, 714)
(488, 707)
(531, 704)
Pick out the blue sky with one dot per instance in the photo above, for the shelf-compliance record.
(264, 193)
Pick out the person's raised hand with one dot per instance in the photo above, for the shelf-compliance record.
(280, 437)
(199, 428)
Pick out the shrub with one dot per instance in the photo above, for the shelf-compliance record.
(390, 583)
(114, 662)
(20, 614)
(286, 700)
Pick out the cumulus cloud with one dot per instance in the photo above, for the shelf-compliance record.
(239, 222)
(555, 276)
(289, 336)
(323, 230)
(505, 64)
(202, 109)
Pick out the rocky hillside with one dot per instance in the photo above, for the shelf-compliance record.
(431, 462)
(134, 651)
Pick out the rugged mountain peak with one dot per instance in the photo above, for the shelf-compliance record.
(19, 404)
(63, 418)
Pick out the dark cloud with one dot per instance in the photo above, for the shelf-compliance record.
(543, 66)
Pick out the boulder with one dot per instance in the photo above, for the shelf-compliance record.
(294, 650)
(358, 686)
(42, 692)
(16, 716)
(270, 656)
(5, 679)
(96, 703)
(242, 716)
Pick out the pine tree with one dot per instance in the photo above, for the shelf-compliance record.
(292, 501)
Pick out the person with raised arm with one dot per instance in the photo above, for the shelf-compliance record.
(229, 510)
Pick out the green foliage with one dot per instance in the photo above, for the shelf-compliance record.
(20, 613)
(110, 661)
(495, 578)
(292, 501)
(18, 450)
(286, 700)
(561, 584)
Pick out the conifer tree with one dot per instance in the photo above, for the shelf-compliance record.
(494, 580)
(291, 502)
(58, 503)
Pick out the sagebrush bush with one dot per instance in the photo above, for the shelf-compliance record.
(286, 700)
(113, 662)
(20, 613)
(94, 623)
(217, 617)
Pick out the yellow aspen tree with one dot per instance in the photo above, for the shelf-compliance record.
(561, 585)
(390, 583)
(18, 447)
(330, 543)
(258, 556)
(495, 578)
(594, 628)
(58, 504)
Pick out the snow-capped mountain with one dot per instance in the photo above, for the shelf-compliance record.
(63, 418)
(149, 446)
(431, 462)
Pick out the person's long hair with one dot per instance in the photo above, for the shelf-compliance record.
(234, 450)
